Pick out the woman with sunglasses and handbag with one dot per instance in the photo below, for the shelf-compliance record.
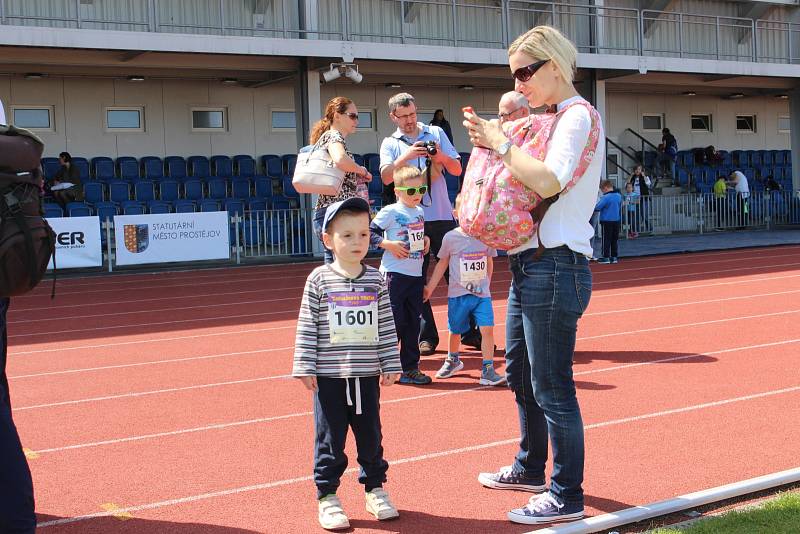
(551, 285)
(329, 133)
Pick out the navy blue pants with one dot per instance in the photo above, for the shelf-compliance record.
(333, 415)
(405, 294)
(16, 486)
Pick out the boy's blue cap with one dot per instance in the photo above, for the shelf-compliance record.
(353, 203)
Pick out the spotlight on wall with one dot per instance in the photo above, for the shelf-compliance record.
(736, 95)
(689, 93)
(353, 74)
(230, 81)
(393, 85)
(34, 76)
(466, 87)
(136, 78)
(782, 97)
(350, 71)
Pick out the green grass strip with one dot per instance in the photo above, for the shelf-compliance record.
(778, 516)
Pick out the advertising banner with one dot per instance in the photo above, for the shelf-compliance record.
(171, 237)
(77, 242)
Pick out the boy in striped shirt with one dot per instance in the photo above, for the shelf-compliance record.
(346, 344)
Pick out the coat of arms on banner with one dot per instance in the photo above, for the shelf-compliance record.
(136, 237)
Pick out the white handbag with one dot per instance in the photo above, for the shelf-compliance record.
(315, 172)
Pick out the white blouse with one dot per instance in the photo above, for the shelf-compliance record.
(567, 220)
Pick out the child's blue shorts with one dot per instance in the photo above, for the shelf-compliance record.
(460, 309)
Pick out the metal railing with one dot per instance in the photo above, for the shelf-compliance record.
(272, 233)
(705, 212)
(594, 29)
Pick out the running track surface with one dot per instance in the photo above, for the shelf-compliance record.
(161, 402)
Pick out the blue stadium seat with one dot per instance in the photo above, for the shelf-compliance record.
(750, 173)
(234, 205)
(153, 167)
(777, 157)
(755, 158)
(240, 188)
(244, 165)
(169, 190)
(763, 171)
(103, 168)
(263, 186)
(280, 202)
(740, 158)
(106, 210)
(257, 204)
(78, 209)
(787, 157)
(766, 157)
(375, 186)
(199, 167)
(144, 191)
(133, 209)
(184, 206)
(272, 165)
(50, 167)
(82, 164)
(276, 231)
(221, 166)
(158, 206)
(128, 168)
(193, 189)
(119, 191)
(176, 167)
(359, 159)
(373, 164)
(727, 159)
(683, 176)
(289, 161)
(93, 192)
(452, 182)
(288, 189)
(252, 235)
(217, 188)
(209, 205)
(52, 211)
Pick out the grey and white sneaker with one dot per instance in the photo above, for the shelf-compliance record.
(331, 515)
(506, 478)
(449, 368)
(489, 377)
(545, 508)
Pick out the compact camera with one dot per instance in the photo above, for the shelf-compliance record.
(430, 146)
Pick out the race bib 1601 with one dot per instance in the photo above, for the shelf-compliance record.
(353, 317)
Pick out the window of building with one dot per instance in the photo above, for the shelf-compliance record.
(38, 118)
(366, 120)
(283, 119)
(783, 124)
(209, 119)
(125, 119)
(702, 122)
(745, 124)
(652, 122)
(425, 117)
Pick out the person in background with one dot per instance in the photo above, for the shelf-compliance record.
(719, 200)
(66, 184)
(329, 133)
(632, 200)
(641, 186)
(668, 153)
(441, 122)
(512, 106)
(738, 182)
(610, 208)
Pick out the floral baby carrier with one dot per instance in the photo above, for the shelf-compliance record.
(499, 210)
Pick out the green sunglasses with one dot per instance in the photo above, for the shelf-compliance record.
(413, 190)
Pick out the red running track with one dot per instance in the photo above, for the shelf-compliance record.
(162, 402)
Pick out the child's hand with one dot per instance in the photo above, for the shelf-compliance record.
(389, 378)
(427, 247)
(398, 248)
(310, 382)
(426, 294)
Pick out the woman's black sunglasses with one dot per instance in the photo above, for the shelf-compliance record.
(524, 74)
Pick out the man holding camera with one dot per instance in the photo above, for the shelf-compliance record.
(428, 149)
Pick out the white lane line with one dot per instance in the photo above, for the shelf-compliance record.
(600, 272)
(292, 325)
(439, 312)
(233, 424)
(394, 401)
(153, 362)
(412, 459)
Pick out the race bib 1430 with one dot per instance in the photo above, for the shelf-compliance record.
(473, 266)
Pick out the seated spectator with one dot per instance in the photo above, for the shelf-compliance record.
(66, 185)
(771, 185)
(712, 155)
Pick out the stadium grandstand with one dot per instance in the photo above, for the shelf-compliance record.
(201, 105)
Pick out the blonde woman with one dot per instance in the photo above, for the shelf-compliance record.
(548, 295)
(340, 120)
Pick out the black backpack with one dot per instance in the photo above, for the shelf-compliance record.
(26, 240)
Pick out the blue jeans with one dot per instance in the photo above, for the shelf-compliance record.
(16, 487)
(319, 217)
(546, 299)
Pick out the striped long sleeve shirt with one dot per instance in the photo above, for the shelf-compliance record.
(362, 341)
